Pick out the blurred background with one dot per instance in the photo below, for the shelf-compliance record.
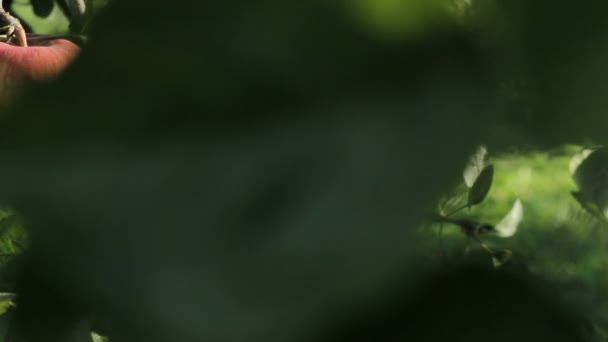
(310, 171)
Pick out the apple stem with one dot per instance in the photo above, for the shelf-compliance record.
(13, 28)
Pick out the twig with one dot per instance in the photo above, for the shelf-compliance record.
(13, 27)
(456, 210)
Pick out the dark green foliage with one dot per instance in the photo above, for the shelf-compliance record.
(238, 174)
(549, 55)
(248, 170)
(469, 303)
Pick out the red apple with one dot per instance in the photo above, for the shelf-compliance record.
(39, 62)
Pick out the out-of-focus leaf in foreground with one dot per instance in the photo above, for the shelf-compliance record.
(243, 175)
(6, 302)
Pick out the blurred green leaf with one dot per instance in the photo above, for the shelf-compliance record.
(237, 160)
(98, 338)
(508, 225)
(6, 302)
(481, 187)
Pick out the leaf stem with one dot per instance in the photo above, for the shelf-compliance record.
(456, 210)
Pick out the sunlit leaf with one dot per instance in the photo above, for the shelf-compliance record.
(475, 165)
(6, 301)
(482, 186)
(508, 225)
(578, 158)
(98, 338)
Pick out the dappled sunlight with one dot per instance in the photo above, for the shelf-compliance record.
(541, 181)
(557, 238)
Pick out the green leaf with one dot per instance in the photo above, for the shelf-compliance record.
(482, 185)
(6, 302)
(476, 164)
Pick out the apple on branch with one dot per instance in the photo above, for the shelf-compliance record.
(28, 57)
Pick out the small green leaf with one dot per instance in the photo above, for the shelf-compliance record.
(482, 185)
(6, 302)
